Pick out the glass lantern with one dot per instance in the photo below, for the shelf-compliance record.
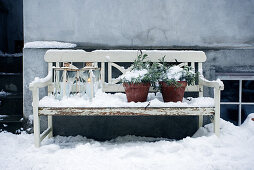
(64, 80)
(91, 76)
(71, 80)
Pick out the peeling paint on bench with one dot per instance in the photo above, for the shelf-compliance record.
(125, 111)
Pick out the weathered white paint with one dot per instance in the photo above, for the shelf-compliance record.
(125, 111)
(218, 86)
(201, 89)
(109, 72)
(215, 84)
(217, 111)
(35, 104)
(45, 133)
(122, 56)
(50, 125)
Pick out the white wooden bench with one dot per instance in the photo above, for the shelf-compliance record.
(109, 58)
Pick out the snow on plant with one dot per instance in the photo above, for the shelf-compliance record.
(134, 76)
(171, 74)
(139, 71)
(177, 73)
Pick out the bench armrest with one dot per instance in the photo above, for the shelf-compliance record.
(41, 82)
(218, 84)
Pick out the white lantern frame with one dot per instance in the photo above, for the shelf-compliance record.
(64, 78)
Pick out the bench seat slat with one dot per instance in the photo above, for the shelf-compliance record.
(125, 111)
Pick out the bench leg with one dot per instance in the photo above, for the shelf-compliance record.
(217, 112)
(37, 141)
(200, 121)
(216, 125)
(50, 125)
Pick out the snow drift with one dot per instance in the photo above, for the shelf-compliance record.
(233, 150)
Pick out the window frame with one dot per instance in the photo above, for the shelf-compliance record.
(240, 77)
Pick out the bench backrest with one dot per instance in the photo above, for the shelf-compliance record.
(108, 60)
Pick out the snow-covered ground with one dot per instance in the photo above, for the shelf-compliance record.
(204, 151)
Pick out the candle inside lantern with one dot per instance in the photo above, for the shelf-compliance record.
(91, 75)
(89, 89)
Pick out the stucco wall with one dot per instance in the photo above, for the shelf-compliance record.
(141, 23)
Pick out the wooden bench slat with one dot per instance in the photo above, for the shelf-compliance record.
(125, 111)
(122, 56)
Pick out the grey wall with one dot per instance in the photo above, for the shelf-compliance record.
(222, 28)
(141, 23)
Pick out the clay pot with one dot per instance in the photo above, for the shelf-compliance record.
(136, 92)
(172, 93)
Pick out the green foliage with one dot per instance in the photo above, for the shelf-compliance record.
(158, 71)
(190, 76)
(140, 63)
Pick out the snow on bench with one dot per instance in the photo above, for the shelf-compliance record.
(119, 100)
(107, 104)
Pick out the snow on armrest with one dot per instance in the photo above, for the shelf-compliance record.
(216, 83)
(41, 82)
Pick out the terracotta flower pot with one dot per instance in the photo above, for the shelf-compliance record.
(136, 92)
(172, 93)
